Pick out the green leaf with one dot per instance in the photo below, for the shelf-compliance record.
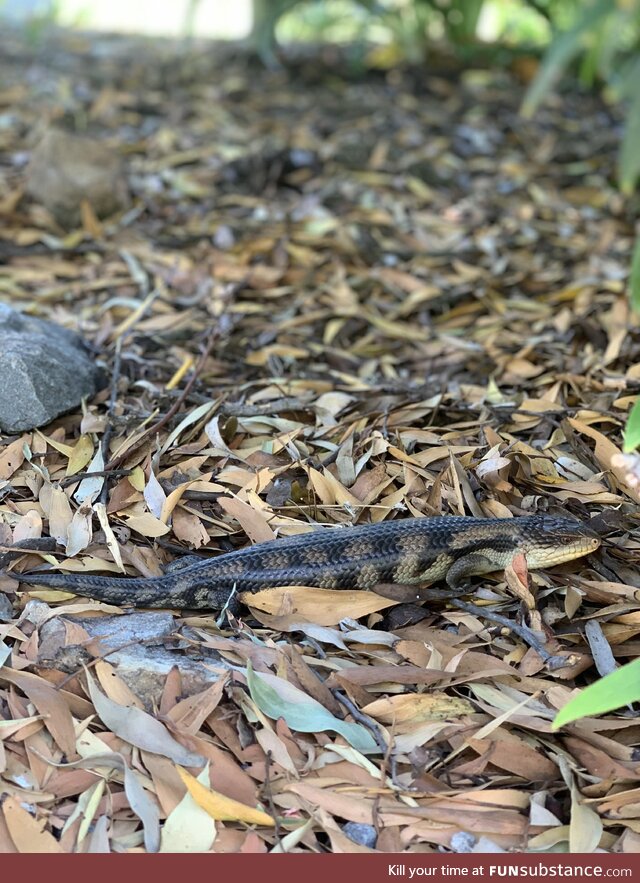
(619, 688)
(634, 278)
(561, 51)
(278, 698)
(632, 431)
(629, 160)
(469, 15)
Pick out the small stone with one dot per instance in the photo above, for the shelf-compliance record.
(46, 370)
(462, 842)
(66, 169)
(6, 609)
(224, 238)
(363, 835)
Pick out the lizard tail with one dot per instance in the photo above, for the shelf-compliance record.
(167, 591)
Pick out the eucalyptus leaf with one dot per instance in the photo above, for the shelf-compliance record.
(629, 161)
(632, 430)
(192, 417)
(619, 688)
(277, 698)
(139, 728)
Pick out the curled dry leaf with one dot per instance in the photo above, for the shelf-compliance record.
(220, 807)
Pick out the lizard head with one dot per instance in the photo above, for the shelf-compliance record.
(548, 540)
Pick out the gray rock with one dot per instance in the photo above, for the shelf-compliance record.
(462, 842)
(363, 835)
(45, 370)
(140, 647)
(6, 609)
(66, 169)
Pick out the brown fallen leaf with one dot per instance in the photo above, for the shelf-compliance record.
(50, 705)
(608, 455)
(139, 728)
(412, 707)
(253, 523)
(12, 457)
(319, 606)
(509, 752)
(28, 834)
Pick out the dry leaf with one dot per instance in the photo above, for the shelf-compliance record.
(220, 807)
(139, 728)
(318, 606)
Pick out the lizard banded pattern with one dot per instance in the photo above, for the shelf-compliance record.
(414, 551)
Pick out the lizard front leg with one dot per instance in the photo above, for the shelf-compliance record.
(469, 565)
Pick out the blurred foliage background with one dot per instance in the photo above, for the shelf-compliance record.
(549, 44)
(592, 43)
(595, 43)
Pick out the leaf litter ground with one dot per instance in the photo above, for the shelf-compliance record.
(333, 300)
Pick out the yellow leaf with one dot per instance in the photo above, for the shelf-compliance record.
(261, 357)
(173, 499)
(67, 450)
(330, 490)
(137, 479)
(90, 222)
(147, 525)
(254, 523)
(187, 363)
(221, 807)
(81, 455)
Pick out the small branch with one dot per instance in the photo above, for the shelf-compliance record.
(374, 729)
(107, 473)
(269, 797)
(361, 718)
(526, 634)
(276, 406)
